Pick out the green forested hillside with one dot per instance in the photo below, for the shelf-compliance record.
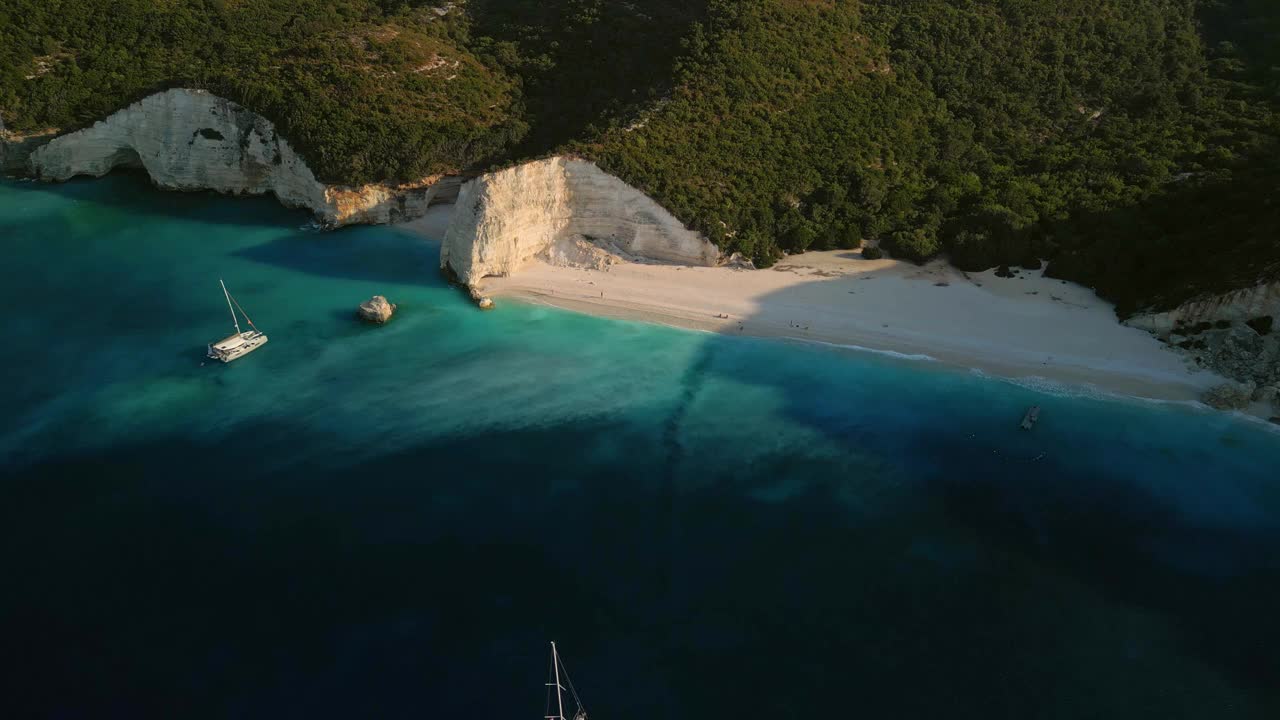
(366, 89)
(583, 64)
(1135, 144)
(999, 132)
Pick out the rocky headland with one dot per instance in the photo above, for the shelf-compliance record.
(1236, 334)
(193, 140)
(565, 211)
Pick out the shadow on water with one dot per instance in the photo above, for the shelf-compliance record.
(1140, 546)
(133, 192)
(375, 254)
(1129, 538)
(340, 588)
(359, 252)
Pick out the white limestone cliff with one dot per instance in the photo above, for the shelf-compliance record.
(192, 140)
(1236, 334)
(547, 208)
(1238, 306)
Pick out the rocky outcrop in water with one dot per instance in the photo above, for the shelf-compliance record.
(1234, 334)
(376, 310)
(191, 140)
(566, 211)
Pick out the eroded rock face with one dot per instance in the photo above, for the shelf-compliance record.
(574, 251)
(1266, 394)
(612, 214)
(376, 310)
(1232, 334)
(548, 208)
(15, 148)
(1229, 396)
(1240, 307)
(503, 219)
(191, 140)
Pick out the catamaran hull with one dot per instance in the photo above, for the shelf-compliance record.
(226, 355)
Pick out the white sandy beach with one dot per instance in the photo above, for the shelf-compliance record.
(1025, 327)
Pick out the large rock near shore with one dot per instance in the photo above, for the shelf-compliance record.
(376, 309)
(192, 140)
(1229, 396)
(506, 218)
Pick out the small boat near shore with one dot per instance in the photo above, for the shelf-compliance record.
(1029, 420)
(242, 342)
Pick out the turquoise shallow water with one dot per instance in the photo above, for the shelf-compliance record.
(393, 521)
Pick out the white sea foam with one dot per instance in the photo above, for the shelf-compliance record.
(1085, 391)
(862, 348)
(1265, 423)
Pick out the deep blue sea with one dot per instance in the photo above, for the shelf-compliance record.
(393, 522)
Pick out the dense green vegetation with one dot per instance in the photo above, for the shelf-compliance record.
(365, 89)
(583, 64)
(1135, 144)
(999, 132)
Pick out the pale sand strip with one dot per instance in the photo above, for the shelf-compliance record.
(432, 224)
(1026, 327)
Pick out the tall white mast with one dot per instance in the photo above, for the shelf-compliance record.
(555, 665)
(236, 322)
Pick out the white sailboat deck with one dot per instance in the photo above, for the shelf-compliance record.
(240, 343)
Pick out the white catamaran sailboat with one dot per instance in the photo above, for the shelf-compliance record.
(553, 681)
(242, 343)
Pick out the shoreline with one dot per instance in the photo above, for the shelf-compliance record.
(1024, 328)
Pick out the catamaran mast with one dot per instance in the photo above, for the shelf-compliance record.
(234, 319)
(580, 713)
(555, 669)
